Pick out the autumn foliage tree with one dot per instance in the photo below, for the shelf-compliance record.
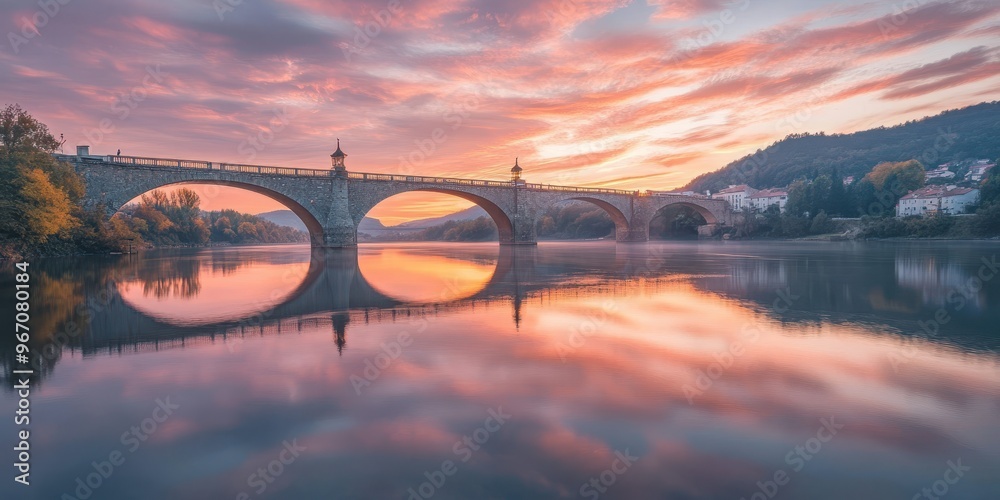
(38, 195)
(162, 218)
(909, 174)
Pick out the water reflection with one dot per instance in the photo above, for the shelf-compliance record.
(415, 273)
(187, 289)
(709, 362)
(168, 296)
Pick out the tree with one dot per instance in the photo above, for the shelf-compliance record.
(184, 211)
(819, 194)
(820, 224)
(546, 226)
(746, 223)
(989, 192)
(22, 134)
(798, 203)
(246, 231)
(909, 174)
(47, 209)
(38, 193)
(839, 202)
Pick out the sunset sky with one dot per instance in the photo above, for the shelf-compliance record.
(628, 94)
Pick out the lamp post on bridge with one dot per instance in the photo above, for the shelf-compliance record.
(337, 160)
(515, 174)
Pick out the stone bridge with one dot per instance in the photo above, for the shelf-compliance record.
(332, 203)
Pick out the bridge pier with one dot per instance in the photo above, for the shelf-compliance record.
(339, 230)
(337, 237)
(522, 220)
(637, 232)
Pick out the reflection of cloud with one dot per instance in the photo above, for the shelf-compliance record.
(414, 277)
(621, 389)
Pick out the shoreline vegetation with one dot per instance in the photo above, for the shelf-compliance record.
(41, 213)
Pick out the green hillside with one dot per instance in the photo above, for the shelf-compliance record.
(972, 132)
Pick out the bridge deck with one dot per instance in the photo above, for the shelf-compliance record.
(141, 161)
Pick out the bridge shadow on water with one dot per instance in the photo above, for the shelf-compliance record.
(168, 299)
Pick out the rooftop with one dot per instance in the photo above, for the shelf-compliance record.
(937, 192)
(736, 189)
(770, 193)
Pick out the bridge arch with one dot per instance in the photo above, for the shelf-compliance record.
(620, 209)
(365, 198)
(619, 219)
(708, 215)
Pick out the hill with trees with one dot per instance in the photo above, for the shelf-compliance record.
(971, 132)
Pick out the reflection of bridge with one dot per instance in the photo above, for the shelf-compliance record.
(332, 203)
(333, 293)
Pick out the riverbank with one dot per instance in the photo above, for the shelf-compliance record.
(11, 255)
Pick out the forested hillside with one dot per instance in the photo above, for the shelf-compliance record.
(972, 132)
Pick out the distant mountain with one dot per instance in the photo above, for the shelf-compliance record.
(370, 224)
(471, 213)
(284, 218)
(972, 132)
(289, 219)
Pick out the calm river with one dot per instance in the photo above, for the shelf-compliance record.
(797, 370)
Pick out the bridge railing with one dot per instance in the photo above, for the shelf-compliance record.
(425, 180)
(259, 169)
(572, 189)
(667, 194)
(157, 162)
(207, 165)
(308, 172)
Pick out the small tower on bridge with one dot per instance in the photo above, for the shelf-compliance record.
(337, 160)
(515, 174)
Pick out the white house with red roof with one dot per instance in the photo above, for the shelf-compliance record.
(933, 199)
(738, 196)
(764, 198)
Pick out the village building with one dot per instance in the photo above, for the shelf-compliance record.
(977, 172)
(738, 196)
(931, 200)
(761, 200)
(941, 172)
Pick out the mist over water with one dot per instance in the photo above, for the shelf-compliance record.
(594, 370)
